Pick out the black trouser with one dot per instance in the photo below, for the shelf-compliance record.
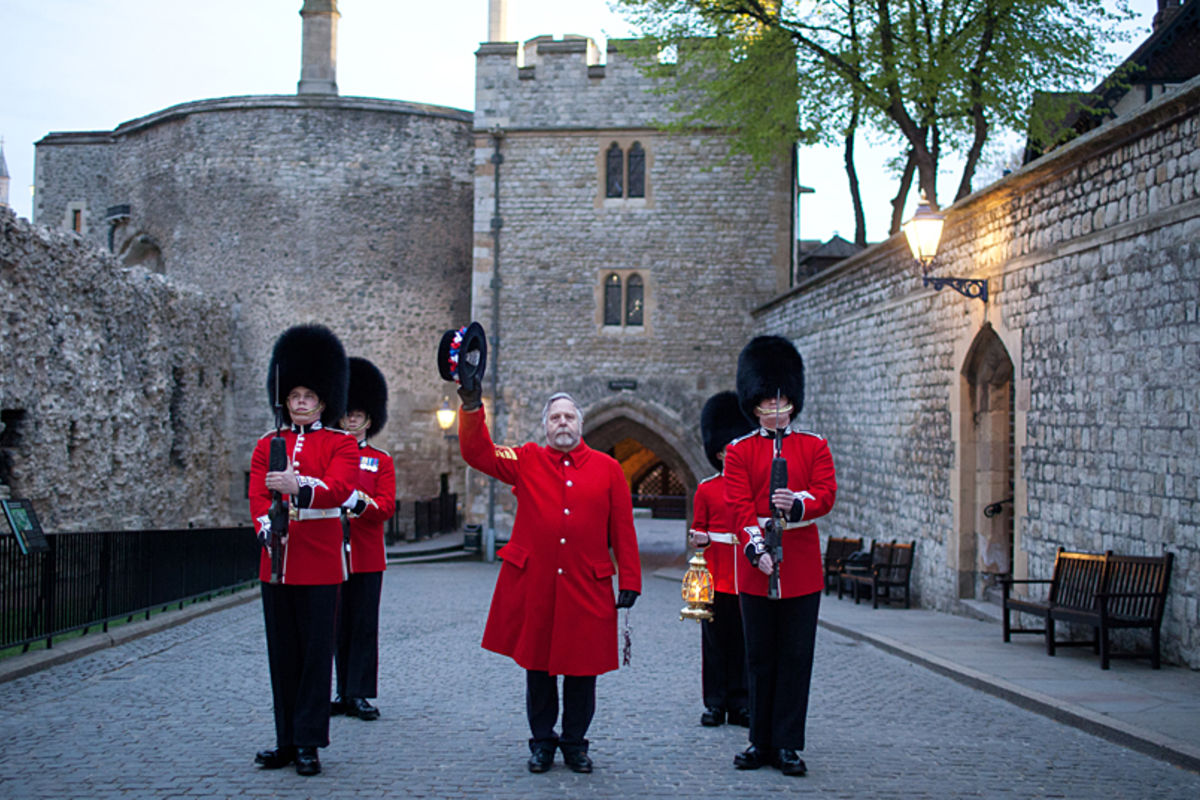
(723, 655)
(299, 622)
(358, 635)
(541, 705)
(780, 635)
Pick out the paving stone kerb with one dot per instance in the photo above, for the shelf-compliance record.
(1094, 266)
(180, 714)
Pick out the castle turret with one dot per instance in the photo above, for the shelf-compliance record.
(497, 20)
(318, 56)
(3, 178)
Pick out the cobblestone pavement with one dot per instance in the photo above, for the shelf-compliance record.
(181, 712)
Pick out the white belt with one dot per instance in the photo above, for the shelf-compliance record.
(723, 538)
(787, 526)
(315, 513)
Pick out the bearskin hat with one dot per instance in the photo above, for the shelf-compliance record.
(769, 364)
(722, 421)
(367, 393)
(310, 356)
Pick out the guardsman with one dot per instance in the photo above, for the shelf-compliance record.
(780, 633)
(308, 375)
(369, 506)
(722, 648)
(552, 610)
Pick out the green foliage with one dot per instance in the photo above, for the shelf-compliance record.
(928, 75)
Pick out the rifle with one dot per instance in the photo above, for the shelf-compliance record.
(278, 513)
(774, 528)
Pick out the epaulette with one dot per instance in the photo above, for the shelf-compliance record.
(269, 433)
(709, 478)
(810, 433)
(336, 430)
(378, 449)
(741, 438)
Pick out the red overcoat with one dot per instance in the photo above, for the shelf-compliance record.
(377, 480)
(553, 608)
(326, 464)
(747, 489)
(710, 514)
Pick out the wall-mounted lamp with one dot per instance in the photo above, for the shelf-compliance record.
(445, 418)
(924, 233)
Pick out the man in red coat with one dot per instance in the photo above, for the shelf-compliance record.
(722, 648)
(552, 610)
(369, 506)
(308, 369)
(780, 633)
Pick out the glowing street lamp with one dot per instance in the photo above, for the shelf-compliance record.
(924, 234)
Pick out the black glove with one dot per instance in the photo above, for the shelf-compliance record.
(472, 397)
(626, 597)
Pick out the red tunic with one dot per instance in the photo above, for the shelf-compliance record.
(747, 489)
(326, 463)
(553, 608)
(710, 514)
(376, 479)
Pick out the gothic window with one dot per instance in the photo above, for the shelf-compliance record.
(637, 170)
(633, 300)
(614, 172)
(612, 299)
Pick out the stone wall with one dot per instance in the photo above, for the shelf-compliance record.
(351, 212)
(708, 243)
(1093, 264)
(115, 388)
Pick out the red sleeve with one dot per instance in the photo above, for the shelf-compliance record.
(622, 536)
(700, 513)
(738, 494)
(385, 492)
(341, 473)
(478, 451)
(822, 484)
(260, 495)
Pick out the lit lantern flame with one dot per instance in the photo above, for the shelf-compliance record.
(697, 590)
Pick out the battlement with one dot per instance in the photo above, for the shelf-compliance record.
(560, 83)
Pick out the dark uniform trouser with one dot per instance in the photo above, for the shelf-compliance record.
(358, 635)
(299, 622)
(541, 705)
(723, 655)
(780, 635)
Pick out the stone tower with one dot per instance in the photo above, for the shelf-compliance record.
(318, 56)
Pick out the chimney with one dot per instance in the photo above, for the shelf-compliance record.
(318, 53)
(1167, 9)
(497, 20)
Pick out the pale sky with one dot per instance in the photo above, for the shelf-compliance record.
(79, 65)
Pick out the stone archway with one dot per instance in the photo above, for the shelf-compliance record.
(987, 532)
(616, 424)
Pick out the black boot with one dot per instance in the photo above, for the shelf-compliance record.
(541, 756)
(575, 756)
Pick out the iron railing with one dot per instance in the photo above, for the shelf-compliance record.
(90, 579)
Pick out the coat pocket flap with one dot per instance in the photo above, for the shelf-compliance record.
(604, 569)
(517, 556)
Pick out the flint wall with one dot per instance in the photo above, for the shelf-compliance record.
(115, 387)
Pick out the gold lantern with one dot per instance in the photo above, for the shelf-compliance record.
(697, 589)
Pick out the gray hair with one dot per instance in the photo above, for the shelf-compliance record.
(560, 396)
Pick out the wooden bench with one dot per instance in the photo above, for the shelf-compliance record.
(836, 550)
(890, 571)
(1103, 591)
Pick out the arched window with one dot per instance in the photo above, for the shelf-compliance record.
(633, 300)
(637, 170)
(612, 299)
(614, 172)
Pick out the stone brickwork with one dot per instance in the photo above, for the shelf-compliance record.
(708, 244)
(351, 212)
(114, 386)
(1093, 263)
